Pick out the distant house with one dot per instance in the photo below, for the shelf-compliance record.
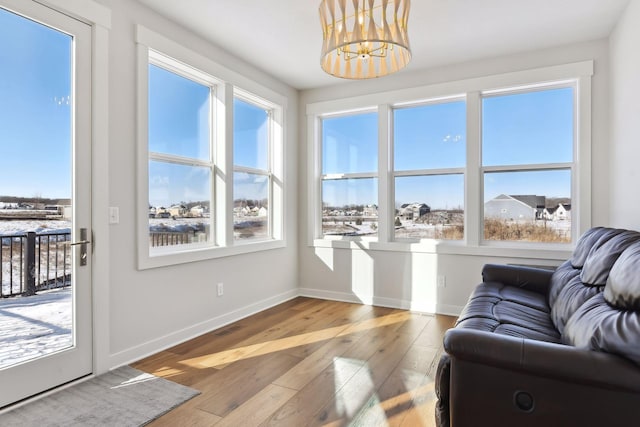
(562, 212)
(262, 211)
(177, 210)
(549, 213)
(413, 211)
(197, 211)
(515, 207)
(370, 210)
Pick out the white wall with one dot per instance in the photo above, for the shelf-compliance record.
(405, 279)
(624, 144)
(152, 309)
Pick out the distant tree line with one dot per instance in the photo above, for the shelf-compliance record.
(35, 200)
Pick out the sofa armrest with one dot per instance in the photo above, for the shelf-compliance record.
(555, 361)
(529, 278)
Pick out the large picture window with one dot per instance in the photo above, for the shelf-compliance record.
(486, 164)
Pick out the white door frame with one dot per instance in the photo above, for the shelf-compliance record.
(99, 17)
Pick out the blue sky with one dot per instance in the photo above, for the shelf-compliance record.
(526, 128)
(35, 112)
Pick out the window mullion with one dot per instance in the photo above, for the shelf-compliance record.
(473, 177)
(385, 181)
(529, 167)
(187, 161)
(427, 172)
(224, 165)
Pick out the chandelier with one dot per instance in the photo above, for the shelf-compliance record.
(363, 39)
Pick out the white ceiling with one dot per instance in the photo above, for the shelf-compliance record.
(283, 37)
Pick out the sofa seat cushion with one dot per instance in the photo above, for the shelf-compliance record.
(507, 310)
(598, 326)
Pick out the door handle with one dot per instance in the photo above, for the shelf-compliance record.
(83, 242)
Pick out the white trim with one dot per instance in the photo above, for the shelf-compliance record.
(87, 11)
(401, 304)
(453, 89)
(100, 199)
(473, 178)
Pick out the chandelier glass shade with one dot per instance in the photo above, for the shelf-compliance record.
(364, 39)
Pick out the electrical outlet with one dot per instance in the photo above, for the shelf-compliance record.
(220, 289)
(442, 281)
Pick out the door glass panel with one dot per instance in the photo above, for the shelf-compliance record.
(36, 301)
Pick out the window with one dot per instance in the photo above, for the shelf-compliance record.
(180, 158)
(429, 159)
(252, 177)
(349, 175)
(210, 158)
(487, 163)
(181, 163)
(527, 162)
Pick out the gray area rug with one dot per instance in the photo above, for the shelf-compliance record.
(122, 397)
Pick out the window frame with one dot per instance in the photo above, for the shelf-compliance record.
(535, 167)
(153, 47)
(343, 176)
(417, 172)
(580, 73)
(273, 112)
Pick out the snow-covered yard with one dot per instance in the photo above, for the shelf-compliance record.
(34, 326)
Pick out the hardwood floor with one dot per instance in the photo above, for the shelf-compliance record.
(309, 362)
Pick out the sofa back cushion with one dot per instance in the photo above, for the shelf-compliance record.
(570, 297)
(586, 273)
(604, 253)
(623, 285)
(598, 326)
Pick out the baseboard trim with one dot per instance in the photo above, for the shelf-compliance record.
(154, 346)
(149, 348)
(446, 309)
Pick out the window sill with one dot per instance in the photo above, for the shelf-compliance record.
(505, 250)
(194, 254)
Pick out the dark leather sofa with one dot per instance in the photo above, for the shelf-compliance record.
(536, 347)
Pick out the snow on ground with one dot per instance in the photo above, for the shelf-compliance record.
(34, 326)
(39, 226)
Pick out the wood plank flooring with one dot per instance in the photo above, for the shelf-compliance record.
(309, 362)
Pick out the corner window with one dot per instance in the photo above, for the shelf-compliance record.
(429, 161)
(527, 163)
(349, 175)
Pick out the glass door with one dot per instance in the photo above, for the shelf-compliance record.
(45, 189)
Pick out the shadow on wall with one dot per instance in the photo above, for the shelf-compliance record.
(408, 280)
